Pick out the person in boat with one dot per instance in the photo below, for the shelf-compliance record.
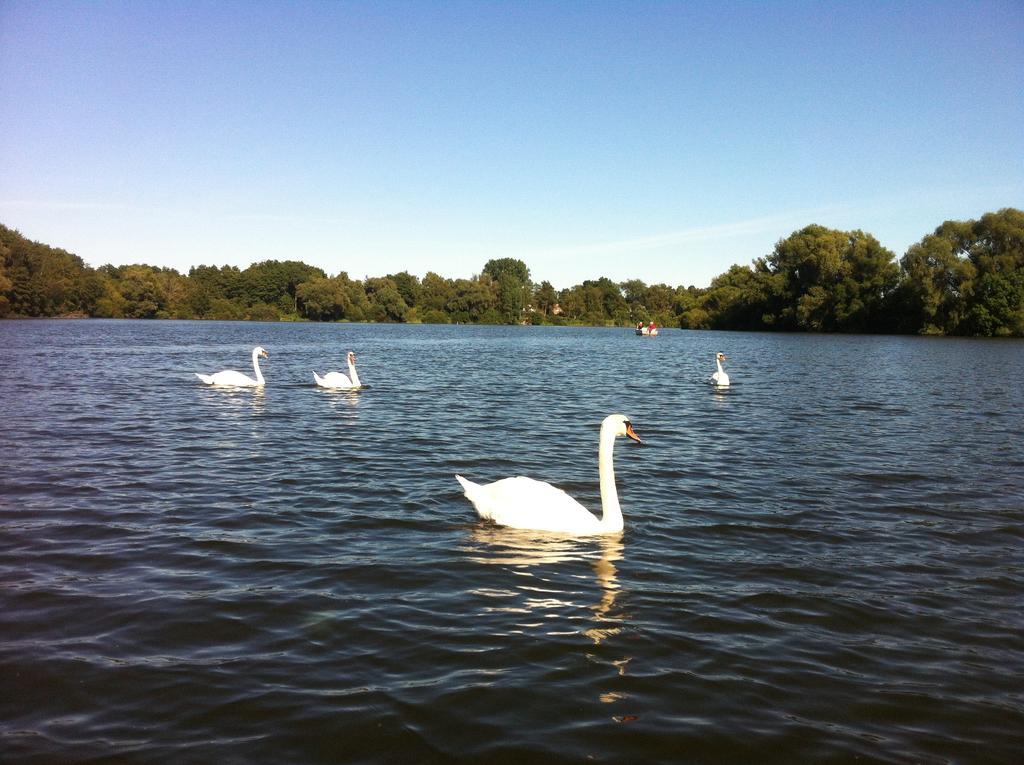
(652, 327)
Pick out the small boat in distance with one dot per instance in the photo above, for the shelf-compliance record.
(651, 330)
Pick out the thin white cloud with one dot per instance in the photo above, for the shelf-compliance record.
(780, 224)
(31, 204)
(763, 224)
(268, 218)
(71, 206)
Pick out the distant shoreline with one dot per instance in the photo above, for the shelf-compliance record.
(74, 317)
(966, 279)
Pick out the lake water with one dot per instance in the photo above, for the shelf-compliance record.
(823, 564)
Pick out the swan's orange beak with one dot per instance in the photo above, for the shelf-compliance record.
(265, 355)
(632, 433)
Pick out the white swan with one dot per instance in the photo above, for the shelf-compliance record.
(524, 503)
(231, 377)
(338, 380)
(720, 379)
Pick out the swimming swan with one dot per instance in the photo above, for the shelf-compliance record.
(720, 379)
(231, 377)
(338, 380)
(524, 503)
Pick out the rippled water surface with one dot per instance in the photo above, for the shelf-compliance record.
(823, 564)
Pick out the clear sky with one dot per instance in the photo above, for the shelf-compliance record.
(663, 141)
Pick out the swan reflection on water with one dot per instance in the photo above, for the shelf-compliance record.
(341, 400)
(539, 594)
(721, 396)
(236, 402)
(523, 550)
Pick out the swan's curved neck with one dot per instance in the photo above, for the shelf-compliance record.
(353, 375)
(718, 361)
(611, 517)
(256, 366)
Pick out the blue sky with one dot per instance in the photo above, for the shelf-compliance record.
(656, 140)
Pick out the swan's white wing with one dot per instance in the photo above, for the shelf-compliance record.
(333, 380)
(524, 503)
(229, 377)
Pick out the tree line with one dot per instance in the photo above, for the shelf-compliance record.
(965, 278)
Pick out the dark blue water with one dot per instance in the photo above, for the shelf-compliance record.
(823, 564)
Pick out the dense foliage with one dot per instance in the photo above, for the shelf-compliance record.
(966, 278)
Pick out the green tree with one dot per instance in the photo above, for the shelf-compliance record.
(997, 242)
(545, 297)
(175, 288)
(434, 316)
(572, 302)
(111, 304)
(471, 299)
(5, 283)
(321, 299)
(604, 302)
(262, 312)
(737, 299)
(998, 305)
(508, 266)
(408, 287)
(596, 302)
(142, 292)
(205, 284)
(274, 282)
(435, 293)
(510, 298)
(660, 304)
(934, 287)
(222, 309)
(332, 299)
(386, 303)
(686, 305)
(225, 281)
(965, 278)
(43, 280)
(510, 279)
(825, 280)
